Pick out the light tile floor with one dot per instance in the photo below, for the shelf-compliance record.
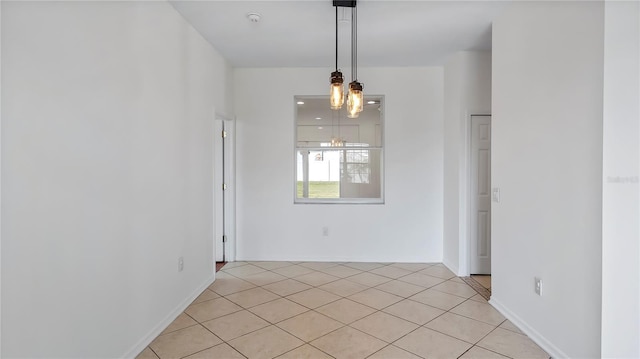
(340, 310)
(484, 280)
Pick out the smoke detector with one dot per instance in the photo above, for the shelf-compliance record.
(253, 17)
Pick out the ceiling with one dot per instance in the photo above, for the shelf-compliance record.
(302, 33)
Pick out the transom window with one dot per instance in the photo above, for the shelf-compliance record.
(338, 159)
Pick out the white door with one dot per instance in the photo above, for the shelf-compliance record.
(218, 191)
(480, 195)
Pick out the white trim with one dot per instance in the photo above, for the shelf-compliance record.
(218, 191)
(338, 259)
(230, 199)
(229, 124)
(168, 319)
(533, 334)
(464, 190)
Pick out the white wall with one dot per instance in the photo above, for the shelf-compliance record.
(620, 213)
(106, 174)
(467, 91)
(547, 161)
(408, 227)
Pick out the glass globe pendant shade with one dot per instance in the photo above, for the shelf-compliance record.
(355, 100)
(337, 90)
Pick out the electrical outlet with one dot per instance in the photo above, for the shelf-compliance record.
(538, 286)
(180, 264)
(325, 231)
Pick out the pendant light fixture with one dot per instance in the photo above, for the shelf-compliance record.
(337, 88)
(355, 98)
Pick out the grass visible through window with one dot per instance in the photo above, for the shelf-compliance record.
(321, 189)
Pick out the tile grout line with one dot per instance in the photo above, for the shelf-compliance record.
(315, 347)
(423, 326)
(346, 297)
(154, 352)
(223, 342)
(370, 287)
(385, 347)
(468, 317)
(276, 323)
(494, 329)
(419, 326)
(479, 288)
(408, 298)
(340, 297)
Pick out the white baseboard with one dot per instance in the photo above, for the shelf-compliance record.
(168, 319)
(533, 334)
(338, 259)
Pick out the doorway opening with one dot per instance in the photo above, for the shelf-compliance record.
(223, 191)
(480, 195)
(479, 200)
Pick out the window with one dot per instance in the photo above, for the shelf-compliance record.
(338, 159)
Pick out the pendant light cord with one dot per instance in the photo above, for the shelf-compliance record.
(355, 42)
(353, 10)
(336, 38)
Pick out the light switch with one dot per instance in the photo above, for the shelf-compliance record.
(495, 194)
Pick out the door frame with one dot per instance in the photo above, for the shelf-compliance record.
(465, 194)
(230, 192)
